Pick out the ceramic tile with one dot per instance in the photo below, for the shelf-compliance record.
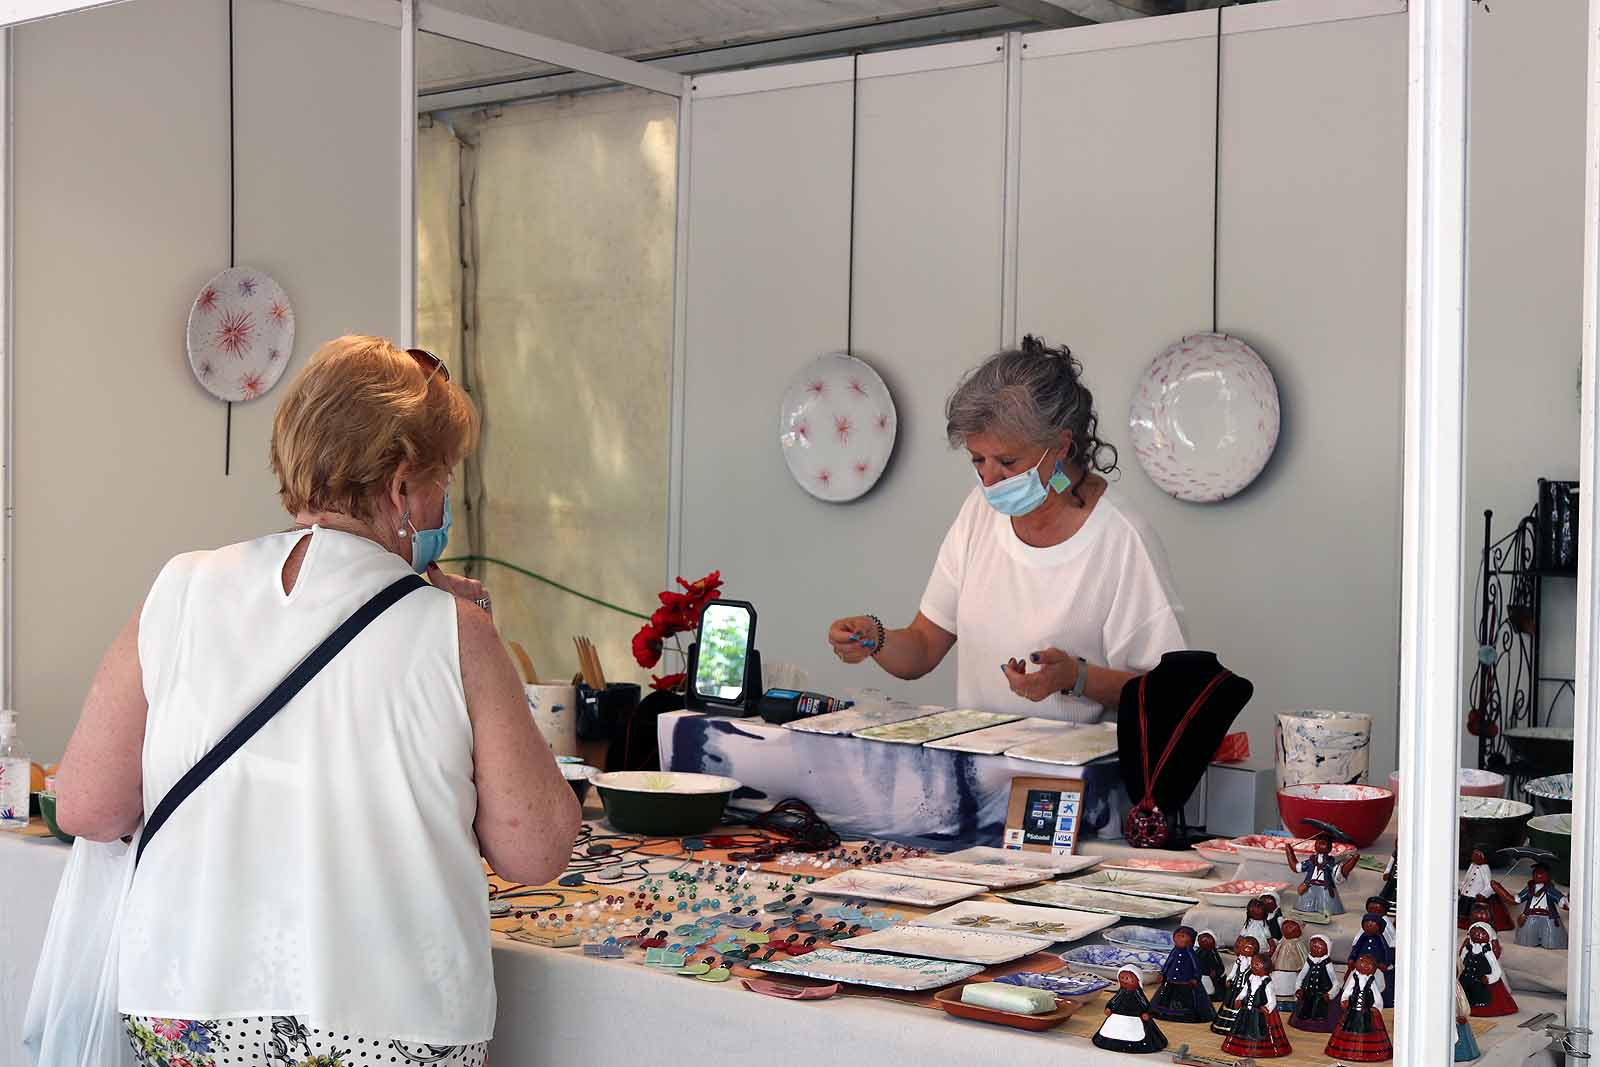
(1073, 749)
(846, 722)
(1046, 924)
(1061, 895)
(1049, 861)
(1143, 884)
(989, 875)
(896, 889)
(997, 739)
(961, 946)
(905, 973)
(933, 727)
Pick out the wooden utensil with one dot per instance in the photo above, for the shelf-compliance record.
(583, 662)
(529, 675)
(594, 661)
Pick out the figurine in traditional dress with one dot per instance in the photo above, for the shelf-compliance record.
(1274, 916)
(1245, 950)
(1213, 976)
(1478, 887)
(1391, 873)
(1361, 1036)
(1539, 925)
(1380, 907)
(1255, 925)
(1287, 958)
(1314, 1009)
(1372, 943)
(1181, 998)
(1127, 1026)
(1258, 1028)
(1481, 976)
(1320, 876)
(1466, 1041)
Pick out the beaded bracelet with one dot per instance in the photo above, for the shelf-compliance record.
(881, 634)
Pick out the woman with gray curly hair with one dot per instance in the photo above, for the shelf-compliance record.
(1056, 590)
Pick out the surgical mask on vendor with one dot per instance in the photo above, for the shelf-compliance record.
(427, 545)
(1020, 493)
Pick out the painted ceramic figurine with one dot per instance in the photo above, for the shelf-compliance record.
(1314, 1009)
(1257, 1029)
(1127, 1026)
(1482, 914)
(1287, 958)
(1539, 925)
(1181, 998)
(1380, 907)
(1255, 925)
(1245, 950)
(1391, 873)
(1481, 977)
(1274, 916)
(1212, 973)
(1477, 886)
(1361, 1036)
(1466, 1041)
(1320, 876)
(1372, 943)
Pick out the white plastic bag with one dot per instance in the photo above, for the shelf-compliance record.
(72, 1018)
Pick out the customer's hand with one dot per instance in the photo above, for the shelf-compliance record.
(467, 589)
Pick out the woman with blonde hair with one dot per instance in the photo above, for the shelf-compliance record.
(320, 897)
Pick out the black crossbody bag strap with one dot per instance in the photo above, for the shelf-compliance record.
(307, 669)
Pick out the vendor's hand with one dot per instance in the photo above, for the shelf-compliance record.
(467, 589)
(853, 639)
(1056, 672)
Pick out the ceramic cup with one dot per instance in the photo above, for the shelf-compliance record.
(555, 713)
(1316, 747)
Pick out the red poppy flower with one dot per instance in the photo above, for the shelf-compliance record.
(669, 621)
(647, 644)
(670, 684)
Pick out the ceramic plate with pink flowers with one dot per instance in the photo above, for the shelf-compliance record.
(837, 427)
(241, 334)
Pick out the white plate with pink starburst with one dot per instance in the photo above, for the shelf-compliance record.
(241, 334)
(837, 427)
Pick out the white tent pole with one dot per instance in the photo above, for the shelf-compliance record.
(1430, 678)
(408, 173)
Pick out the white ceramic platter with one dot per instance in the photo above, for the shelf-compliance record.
(837, 427)
(1239, 893)
(1046, 861)
(1142, 884)
(1204, 417)
(895, 889)
(905, 973)
(961, 946)
(1074, 748)
(997, 739)
(846, 722)
(240, 334)
(1061, 895)
(988, 875)
(1047, 925)
(936, 726)
(1270, 848)
(1219, 850)
(1158, 865)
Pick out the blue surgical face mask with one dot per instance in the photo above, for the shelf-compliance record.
(428, 545)
(1018, 494)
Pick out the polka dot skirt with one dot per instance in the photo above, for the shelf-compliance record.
(278, 1041)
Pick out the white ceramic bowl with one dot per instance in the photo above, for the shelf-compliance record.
(1470, 782)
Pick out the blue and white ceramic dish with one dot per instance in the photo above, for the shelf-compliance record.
(1107, 960)
(1148, 938)
(1061, 983)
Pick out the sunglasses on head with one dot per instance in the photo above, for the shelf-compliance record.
(430, 363)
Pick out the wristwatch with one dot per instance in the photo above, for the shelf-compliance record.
(1082, 680)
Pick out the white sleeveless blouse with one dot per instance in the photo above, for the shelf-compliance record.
(329, 869)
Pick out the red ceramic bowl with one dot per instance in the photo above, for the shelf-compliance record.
(1362, 811)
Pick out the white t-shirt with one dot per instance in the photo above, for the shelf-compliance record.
(1104, 593)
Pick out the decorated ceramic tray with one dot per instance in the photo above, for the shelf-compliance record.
(989, 875)
(1270, 847)
(240, 335)
(962, 946)
(837, 427)
(908, 974)
(895, 889)
(1237, 894)
(1107, 960)
(1204, 418)
(1045, 861)
(846, 722)
(997, 739)
(933, 727)
(1061, 983)
(1157, 865)
(1143, 884)
(1046, 925)
(1553, 787)
(1218, 850)
(1149, 938)
(1060, 895)
(1078, 746)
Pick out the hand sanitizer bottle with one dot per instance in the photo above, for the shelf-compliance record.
(15, 775)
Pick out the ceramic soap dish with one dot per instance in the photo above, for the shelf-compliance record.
(950, 1001)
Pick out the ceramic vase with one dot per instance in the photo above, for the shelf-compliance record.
(555, 713)
(1322, 746)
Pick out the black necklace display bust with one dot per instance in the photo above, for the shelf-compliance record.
(1170, 690)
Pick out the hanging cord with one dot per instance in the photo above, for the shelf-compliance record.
(227, 437)
(1216, 172)
(850, 268)
(536, 576)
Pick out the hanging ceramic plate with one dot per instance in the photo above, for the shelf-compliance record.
(837, 427)
(241, 334)
(1204, 417)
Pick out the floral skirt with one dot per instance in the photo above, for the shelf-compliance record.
(278, 1041)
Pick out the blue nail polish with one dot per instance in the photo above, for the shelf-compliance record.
(854, 638)
(1034, 657)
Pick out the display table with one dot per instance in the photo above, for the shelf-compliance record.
(558, 1006)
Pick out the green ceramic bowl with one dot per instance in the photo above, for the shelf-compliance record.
(47, 808)
(1554, 832)
(663, 803)
(1491, 823)
(578, 776)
